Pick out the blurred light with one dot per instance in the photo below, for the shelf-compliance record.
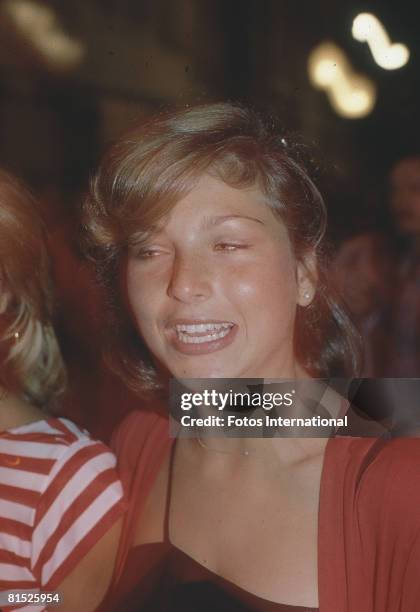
(351, 95)
(368, 28)
(39, 24)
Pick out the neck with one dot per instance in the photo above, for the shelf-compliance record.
(274, 452)
(15, 411)
(284, 450)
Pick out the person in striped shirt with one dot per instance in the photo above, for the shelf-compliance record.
(61, 502)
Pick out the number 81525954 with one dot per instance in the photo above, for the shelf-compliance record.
(28, 598)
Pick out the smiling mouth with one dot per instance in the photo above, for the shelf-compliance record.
(200, 333)
(201, 337)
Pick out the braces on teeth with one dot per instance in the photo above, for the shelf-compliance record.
(219, 330)
(200, 339)
(202, 327)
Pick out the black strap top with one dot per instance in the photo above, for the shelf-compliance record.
(161, 578)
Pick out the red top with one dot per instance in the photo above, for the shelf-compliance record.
(369, 515)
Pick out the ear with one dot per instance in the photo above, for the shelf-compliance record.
(306, 279)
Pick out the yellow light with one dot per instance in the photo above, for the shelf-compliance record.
(351, 95)
(39, 24)
(368, 28)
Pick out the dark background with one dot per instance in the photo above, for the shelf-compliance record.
(143, 55)
(140, 55)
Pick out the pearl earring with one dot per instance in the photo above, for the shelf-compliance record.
(16, 336)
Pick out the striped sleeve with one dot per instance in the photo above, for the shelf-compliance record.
(82, 500)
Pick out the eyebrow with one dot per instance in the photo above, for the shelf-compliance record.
(219, 219)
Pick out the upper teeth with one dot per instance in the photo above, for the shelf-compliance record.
(202, 327)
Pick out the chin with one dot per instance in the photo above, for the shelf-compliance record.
(204, 371)
(204, 374)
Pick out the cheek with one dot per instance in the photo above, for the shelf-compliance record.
(141, 300)
(267, 288)
(242, 284)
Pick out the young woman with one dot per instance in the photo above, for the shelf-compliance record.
(60, 496)
(209, 234)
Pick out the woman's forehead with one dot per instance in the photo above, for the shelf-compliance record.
(209, 203)
(215, 201)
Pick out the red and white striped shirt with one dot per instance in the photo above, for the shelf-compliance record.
(59, 493)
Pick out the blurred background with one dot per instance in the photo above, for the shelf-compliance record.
(74, 75)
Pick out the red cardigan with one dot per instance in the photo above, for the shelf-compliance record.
(369, 514)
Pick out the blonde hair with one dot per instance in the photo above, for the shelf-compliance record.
(144, 175)
(30, 359)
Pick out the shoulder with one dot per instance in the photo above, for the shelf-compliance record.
(388, 490)
(45, 454)
(371, 487)
(377, 477)
(57, 462)
(377, 457)
(46, 439)
(81, 500)
(396, 467)
(70, 464)
(370, 523)
(79, 460)
(68, 491)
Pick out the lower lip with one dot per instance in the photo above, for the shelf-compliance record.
(205, 347)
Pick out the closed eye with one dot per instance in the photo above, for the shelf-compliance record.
(147, 253)
(229, 246)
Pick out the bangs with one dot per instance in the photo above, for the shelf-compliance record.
(145, 194)
(152, 197)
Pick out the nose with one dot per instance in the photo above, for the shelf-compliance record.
(190, 280)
